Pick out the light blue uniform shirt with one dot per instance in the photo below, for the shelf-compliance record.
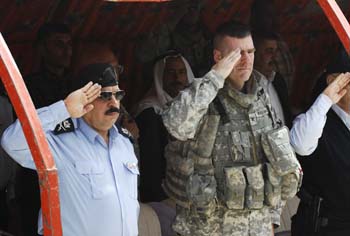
(97, 182)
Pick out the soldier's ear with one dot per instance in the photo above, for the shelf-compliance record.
(217, 55)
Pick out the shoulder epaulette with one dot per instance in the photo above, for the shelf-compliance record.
(125, 133)
(65, 126)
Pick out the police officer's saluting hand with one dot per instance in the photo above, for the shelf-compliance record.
(78, 102)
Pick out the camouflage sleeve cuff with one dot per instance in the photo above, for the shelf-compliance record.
(217, 79)
(275, 218)
(276, 213)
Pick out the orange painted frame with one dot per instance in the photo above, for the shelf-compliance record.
(36, 140)
(337, 20)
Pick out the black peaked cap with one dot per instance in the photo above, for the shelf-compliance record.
(102, 73)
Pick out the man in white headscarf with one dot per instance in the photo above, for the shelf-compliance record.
(172, 74)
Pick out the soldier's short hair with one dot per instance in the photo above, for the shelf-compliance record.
(233, 29)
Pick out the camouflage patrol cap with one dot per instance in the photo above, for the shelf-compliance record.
(101, 73)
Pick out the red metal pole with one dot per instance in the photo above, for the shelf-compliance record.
(338, 21)
(36, 140)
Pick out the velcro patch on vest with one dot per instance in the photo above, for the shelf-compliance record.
(65, 126)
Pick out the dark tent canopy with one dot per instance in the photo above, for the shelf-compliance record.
(303, 26)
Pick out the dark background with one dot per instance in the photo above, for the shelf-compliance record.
(304, 27)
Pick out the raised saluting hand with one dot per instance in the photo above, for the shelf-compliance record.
(78, 103)
(226, 64)
(337, 86)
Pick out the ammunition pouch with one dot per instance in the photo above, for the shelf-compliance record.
(245, 188)
(281, 156)
(272, 186)
(278, 151)
(290, 185)
(235, 185)
(255, 187)
(201, 190)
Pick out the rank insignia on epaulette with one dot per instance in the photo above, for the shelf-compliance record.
(126, 133)
(64, 127)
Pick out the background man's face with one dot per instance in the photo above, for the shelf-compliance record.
(243, 69)
(96, 53)
(174, 76)
(57, 50)
(105, 56)
(264, 57)
(191, 17)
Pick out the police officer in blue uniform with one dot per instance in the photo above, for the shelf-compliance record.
(96, 164)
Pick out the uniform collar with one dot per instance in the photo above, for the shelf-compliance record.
(92, 134)
(113, 133)
(243, 99)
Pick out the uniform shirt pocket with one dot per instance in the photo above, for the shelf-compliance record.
(94, 173)
(132, 172)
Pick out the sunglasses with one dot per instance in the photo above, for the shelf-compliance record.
(107, 96)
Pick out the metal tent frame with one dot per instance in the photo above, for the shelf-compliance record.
(34, 134)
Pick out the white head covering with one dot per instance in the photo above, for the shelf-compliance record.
(156, 97)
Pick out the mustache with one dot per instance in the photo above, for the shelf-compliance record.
(113, 109)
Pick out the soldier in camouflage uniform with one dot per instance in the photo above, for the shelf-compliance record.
(231, 167)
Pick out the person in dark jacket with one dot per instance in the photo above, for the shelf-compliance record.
(324, 209)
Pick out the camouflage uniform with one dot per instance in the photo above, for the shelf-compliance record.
(232, 167)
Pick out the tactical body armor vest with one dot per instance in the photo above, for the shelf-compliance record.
(240, 158)
(237, 152)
